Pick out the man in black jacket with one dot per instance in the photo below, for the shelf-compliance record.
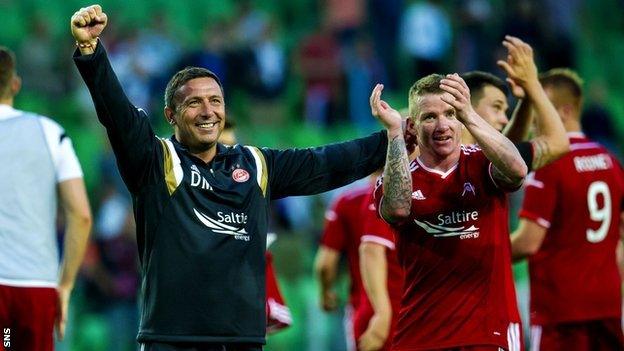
(201, 207)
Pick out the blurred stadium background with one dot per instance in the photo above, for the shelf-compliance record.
(296, 73)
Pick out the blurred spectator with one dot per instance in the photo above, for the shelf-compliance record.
(210, 55)
(363, 72)
(295, 213)
(560, 33)
(38, 64)
(250, 24)
(112, 271)
(127, 60)
(269, 70)
(239, 35)
(474, 42)
(158, 49)
(345, 18)
(384, 24)
(319, 58)
(426, 36)
(158, 52)
(108, 170)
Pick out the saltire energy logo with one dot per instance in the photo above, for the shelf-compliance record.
(220, 226)
(454, 224)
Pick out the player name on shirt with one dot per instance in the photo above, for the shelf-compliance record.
(592, 163)
(442, 228)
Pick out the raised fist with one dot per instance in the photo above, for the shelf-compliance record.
(87, 23)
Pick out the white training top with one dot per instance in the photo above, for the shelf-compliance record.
(35, 155)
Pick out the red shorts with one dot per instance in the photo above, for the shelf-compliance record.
(473, 348)
(604, 334)
(476, 348)
(27, 318)
(515, 342)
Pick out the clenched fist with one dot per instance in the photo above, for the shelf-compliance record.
(86, 25)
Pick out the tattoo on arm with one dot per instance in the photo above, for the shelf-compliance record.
(503, 180)
(500, 176)
(397, 181)
(541, 153)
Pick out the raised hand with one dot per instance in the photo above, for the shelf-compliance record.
(517, 91)
(389, 117)
(457, 94)
(519, 66)
(87, 24)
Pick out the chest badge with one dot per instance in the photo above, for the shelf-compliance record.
(469, 188)
(240, 175)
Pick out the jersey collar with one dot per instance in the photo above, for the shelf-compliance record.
(576, 135)
(435, 171)
(7, 112)
(221, 149)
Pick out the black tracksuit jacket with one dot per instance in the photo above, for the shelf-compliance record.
(201, 227)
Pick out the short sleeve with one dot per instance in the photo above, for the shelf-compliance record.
(480, 164)
(375, 229)
(64, 157)
(540, 197)
(334, 235)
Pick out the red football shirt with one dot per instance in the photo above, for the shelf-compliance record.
(456, 254)
(379, 232)
(343, 228)
(578, 198)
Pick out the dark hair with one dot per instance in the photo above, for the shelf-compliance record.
(478, 80)
(7, 69)
(183, 76)
(563, 78)
(425, 85)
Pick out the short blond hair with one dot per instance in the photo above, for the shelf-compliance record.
(426, 85)
(567, 84)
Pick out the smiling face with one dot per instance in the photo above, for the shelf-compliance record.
(199, 115)
(438, 129)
